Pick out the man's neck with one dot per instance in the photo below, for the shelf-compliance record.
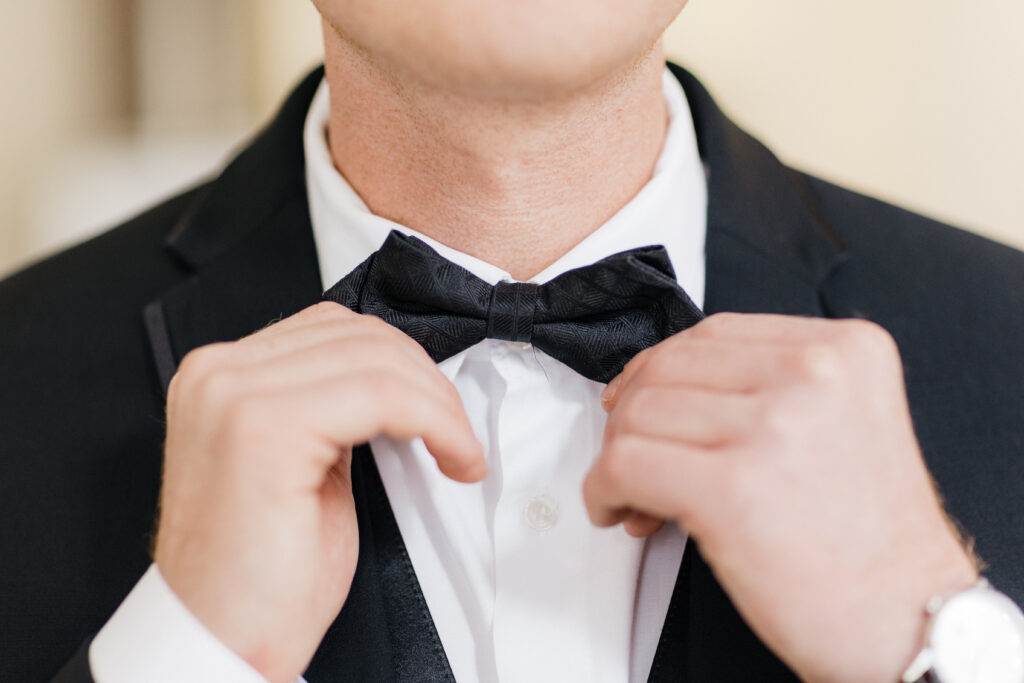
(514, 183)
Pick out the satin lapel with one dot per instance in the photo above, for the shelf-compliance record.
(249, 241)
(267, 275)
(770, 251)
(385, 631)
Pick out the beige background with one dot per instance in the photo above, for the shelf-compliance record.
(112, 104)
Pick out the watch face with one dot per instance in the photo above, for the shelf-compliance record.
(978, 636)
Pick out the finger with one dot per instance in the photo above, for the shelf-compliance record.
(340, 356)
(702, 364)
(317, 313)
(269, 344)
(640, 525)
(768, 328)
(222, 384)
(660, 479)
(751, 329)
(354, 409)
(272, 342)
(680, 413)
(796, 331)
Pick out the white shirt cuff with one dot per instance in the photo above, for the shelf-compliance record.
(153, 637)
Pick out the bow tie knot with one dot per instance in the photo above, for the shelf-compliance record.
(593, 319)
(510, 314)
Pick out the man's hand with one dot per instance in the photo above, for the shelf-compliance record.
(785, 447)
(257, 532)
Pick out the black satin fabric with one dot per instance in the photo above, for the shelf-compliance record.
(593, 319)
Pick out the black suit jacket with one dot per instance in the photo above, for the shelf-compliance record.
(91, 337)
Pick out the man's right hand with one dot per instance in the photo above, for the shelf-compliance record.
(257, 532)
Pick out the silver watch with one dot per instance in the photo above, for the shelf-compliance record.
(973, 636)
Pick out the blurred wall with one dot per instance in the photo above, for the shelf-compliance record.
(112, 104)
(64, 69)
(920, 102)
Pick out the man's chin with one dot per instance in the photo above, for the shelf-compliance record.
(528, 74)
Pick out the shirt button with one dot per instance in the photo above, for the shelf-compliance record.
(521, 346)
(540, 513)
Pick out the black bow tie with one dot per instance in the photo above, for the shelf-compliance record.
(593, 319)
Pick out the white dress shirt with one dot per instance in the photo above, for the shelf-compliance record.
(520, 585)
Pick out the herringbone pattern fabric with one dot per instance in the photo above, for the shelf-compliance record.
(593, 319)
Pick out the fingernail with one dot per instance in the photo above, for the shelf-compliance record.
(608, 395)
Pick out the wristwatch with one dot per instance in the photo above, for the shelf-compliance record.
(973, 636)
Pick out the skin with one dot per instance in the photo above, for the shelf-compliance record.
(257, 532)
(783, 445)
(480, 126)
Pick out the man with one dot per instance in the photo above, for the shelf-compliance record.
(495, 527)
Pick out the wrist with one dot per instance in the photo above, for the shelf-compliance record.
(887, 616)
(950, 575)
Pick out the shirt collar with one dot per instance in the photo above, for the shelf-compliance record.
(671, 209)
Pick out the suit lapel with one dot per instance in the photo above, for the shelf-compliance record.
(770, 251)
(249, 242)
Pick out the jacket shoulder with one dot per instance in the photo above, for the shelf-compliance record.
(914, 246)
(953, 300)
(131, 253)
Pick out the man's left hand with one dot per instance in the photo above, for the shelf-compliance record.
(784, 446)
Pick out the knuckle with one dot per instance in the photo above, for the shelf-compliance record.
(197, 364)
(819, 362)
(199, 360)
(642, 357)
(615, 462)
(216, 387)
(314, 313)
(375, 323)
(779, 419)
(326, 309)
(627, 415)
(706, 328)
(867, 336)
(246, 416)
(631, 411)
(660, 364)
(717, 324)
(174, 387)
(383, 335)
(323, 312)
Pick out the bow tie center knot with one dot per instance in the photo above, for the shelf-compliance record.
(510, 316)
